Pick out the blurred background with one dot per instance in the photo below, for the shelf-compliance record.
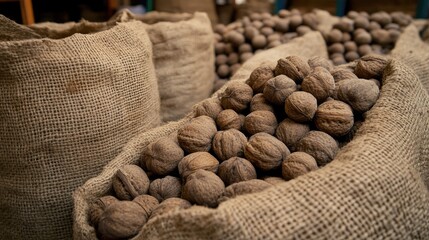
(220, 11)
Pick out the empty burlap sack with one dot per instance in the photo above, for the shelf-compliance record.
(312, 44)
(412, 51)
(183, 53)
(67, 107)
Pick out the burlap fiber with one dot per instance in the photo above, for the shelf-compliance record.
(312, 44)
(10, 30)
(67, 107)
(411, 50)
(184, 59)
(61, 30)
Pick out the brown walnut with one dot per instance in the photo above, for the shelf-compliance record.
(320, 62)
(195, 161)
(237, 97)
(210, 107)
(290, 132)
(260, 121)
(129, 182)
(228, 119)
(203, 188)
(164, 188)
(260, 103)
(162, 156)
(301, 106)
(228, 144)
(334, 118)
(235, 170)
(98, 207)
(294, 67)
(360, 94)
(278, 89)
(297, 164)
(319, 145)
(259, 77)
(197, 135)
(265, 151)
(319, 83)
(170, 205)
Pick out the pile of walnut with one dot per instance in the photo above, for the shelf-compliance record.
(282, 123)
(360, 34)
(238, 41)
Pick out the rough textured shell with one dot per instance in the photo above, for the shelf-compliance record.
(320, 62)
(162, 156)
(265, 151)
(203, 188)
(246, 187)
(259, 77)
(319, 83)
(340, 74)
(228, 119)
(197, 135)
(147, 203)
(334, 118)
(98, 207)
(294, 67)
(228, 144)
(371, 66)
(301, 106)
(210, 107)
(129, 182)
(235, 170)
(297, 164)
(195, 161)
(260, 103)
(237, 97)
(319, 145)
(164, 188)
(290, 132)
(278, 89)
(360, 94)
(260, 121)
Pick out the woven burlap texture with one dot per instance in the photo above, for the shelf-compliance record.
(67, 108)
(373, 189)
(312, 44)
(10, 30)
(411, 49)
(183, 57)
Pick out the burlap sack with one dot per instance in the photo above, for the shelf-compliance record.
(310, 45)
(411, 50)
(184, 59)
(61, 30)
(10, 30)
(67, 107)
(181, 6)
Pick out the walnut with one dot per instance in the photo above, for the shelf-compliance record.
(259, 77)
(203, 188)
(290, 132)
(346, 37)
(237, 97)
(229, 143)
(257, 24)
(319, 83)
(335, 36)
(170, 205)
(235, 38)
(352, 14)
(98, 207)
(265, 151)
(259, 41)
(255, 16)
(351, 56)
(361, 22)
(167, 187)
(340, 74)
(302, 30)
(334, 118)
(221, 59)
(197, 135)
(319, 145)
(311, 20)
(223, 71)
(259, 103)
(336, 48)
(274, 44)
(260, 121)
(232, 58)
(195, 161)
(350, 46)
(371, 66)
(219, 48)
(245, 187)
(394, 35)
(364, 50)
(147, 203)
(294, 67)
(234, 68)
(274, 180)
(266, 31)
(297, 164)
(228, 119)
(363, 38)
(129, 182)
(274, 37)
(345, 25)
(373, 25)
(123, 219)
(320, 62)
(401, 18)
(210, 107)
(250, 32)
(281, 25)
(360, 94)
(339, 60)
(295, 21)
(236, 169)
(245, 48)
(381, 17)
(301, 106)
(278, 89)
(381, 37)
(162, 156)
(228, 48)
